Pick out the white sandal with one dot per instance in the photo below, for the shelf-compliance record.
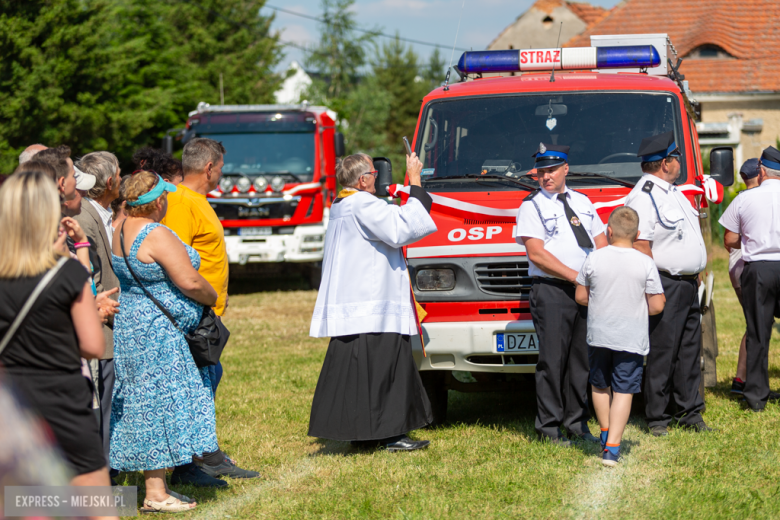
(181, 497)
(171, 505)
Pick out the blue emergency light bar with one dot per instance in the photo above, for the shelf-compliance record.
(523, 60)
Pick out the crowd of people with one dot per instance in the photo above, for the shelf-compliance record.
(603, 299)
(89, 258)
(81, 249)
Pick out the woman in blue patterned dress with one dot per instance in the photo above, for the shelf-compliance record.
(163, 411)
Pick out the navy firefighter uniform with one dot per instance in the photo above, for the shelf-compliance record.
(670, 224)
(755, 216)
(569, 226)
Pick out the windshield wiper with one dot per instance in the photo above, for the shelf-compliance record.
(475, 176)
(614, 179)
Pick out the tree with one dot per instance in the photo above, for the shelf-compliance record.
(398, 72)
(116, 74)
(341, 51)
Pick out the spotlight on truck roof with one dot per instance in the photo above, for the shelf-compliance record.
(575, 58)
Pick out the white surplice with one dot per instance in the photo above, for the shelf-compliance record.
(365, 283)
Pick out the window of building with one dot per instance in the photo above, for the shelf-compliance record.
(708, 51)
(547, 22)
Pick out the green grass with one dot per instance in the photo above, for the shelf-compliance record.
(484, 463)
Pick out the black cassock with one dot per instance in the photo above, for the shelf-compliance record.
(369, 389)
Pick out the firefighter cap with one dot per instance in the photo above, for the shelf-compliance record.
(658, 147)
(771, 158)
(549, 155)
(750, 169)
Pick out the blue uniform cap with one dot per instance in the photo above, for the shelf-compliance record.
(152, 194)
(549, 155)
(750, 169)
(658, 147)
(770, 158)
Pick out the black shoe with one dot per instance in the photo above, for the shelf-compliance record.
(406, 444)
(584, 437)
(558, 441)
(773, 397)
(659, 431)
(699, 427)
(228, 468)
(737, 387)
(194, 475)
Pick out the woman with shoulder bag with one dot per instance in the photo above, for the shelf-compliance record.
(48, 322)
(162, 412)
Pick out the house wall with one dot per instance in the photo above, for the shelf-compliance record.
(529, 31)
(751, 143)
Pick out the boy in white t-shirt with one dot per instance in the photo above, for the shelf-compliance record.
(620, 286)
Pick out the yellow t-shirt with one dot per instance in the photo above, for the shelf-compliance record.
(193, 219)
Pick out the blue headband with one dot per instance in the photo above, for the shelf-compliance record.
(551, 154)
(659, 155)
(770, 164)
(152, 194)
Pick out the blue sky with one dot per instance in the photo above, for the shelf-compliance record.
(427, 20)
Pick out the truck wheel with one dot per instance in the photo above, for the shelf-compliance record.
(435, 384)
(709, 348)
(315, 276)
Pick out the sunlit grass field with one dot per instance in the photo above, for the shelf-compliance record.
(484, 463)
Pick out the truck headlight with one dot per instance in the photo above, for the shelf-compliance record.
(226, 184)
(261, 184)
(435, 279)
(243, 184)
(277, 183)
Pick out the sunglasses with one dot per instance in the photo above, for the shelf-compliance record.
(372, 172)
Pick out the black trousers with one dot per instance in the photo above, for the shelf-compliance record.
(761, 303)
(106, 389)
(562, 370)
(674, 362)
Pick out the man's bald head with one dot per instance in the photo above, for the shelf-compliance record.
(28, 152)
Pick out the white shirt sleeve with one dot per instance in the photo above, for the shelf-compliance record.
(396, 226)
(598, 227)
(583, 278)
(653, 283)
(730, 219)
(648, 217)
(529, 224)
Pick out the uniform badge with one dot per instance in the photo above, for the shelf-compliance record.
(542, 148)
(575, 221)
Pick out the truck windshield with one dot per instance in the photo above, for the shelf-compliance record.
(255, 153)
(498, 136)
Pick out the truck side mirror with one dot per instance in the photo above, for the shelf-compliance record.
(338, 144)
(167, 144)
(722, 165)
(385, 176)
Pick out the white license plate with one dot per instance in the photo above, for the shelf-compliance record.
(253, 231)
(515, 342)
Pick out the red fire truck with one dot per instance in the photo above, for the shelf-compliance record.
(476, 139)
(278, 180)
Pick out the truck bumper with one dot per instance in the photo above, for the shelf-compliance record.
(469, 346)
(305, 244)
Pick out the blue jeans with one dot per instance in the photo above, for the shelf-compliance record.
(215, 374)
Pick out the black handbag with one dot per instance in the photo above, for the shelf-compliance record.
(209, 338)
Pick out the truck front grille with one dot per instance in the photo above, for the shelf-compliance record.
(504, 279)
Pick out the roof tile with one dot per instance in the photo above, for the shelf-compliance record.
(730, 24)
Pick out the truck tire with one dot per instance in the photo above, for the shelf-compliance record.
(435, 384)
(315, 276)
(709, 348)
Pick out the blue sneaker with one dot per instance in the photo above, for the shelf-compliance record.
(610, 460)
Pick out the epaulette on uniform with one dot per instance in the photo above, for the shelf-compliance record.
(577, 191)
(648, 186)
(530, 195)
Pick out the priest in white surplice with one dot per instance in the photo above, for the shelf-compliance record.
(369, 391)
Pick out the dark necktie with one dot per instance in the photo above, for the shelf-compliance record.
(574, 221)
